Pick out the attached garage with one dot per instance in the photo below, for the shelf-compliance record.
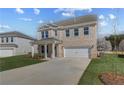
(76, 52)
(6, 52)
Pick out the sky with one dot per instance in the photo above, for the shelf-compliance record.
(27, 20)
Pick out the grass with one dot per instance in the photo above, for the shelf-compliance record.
(107, 63)
(16, 62)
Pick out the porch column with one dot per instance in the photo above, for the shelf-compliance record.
(32, 53)
(45, 48)
(40, 50)
(58, 50)
(53, 50)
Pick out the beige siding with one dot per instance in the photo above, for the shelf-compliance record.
(77, 41)
(24, 46)
(81, 40)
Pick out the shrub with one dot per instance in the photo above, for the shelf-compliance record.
(121, 55)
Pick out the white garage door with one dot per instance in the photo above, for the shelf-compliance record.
(6, 53)
(76, 52)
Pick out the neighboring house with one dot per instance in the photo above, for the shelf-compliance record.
(75, 37)
(103, 45)
(121, 45)
(14, 43)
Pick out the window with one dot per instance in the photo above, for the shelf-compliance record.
(46, 34)
(11, 39)
(2, 39)
(55, 32)
(7, 40)
(67, 33)
(76, 32)
(86, 30)
(43, 34)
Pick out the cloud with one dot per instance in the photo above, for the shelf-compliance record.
(111, 16)
(103, 23)
(101, 17)
(90, 10)
(87, 9)
(67, 14)
(66, 11)
(71, 11)
(40, 21)
(4, 26)
(25, 19)
(19, 11)
(36, 11)
(51, 21)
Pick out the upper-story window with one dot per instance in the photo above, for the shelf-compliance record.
(12, 39)
(76, 32)
(45, 34)
(55, 32)
(86, 30)
(67, 32)
(7, 39)
(2, 39)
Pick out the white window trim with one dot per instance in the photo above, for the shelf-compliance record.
(77, 31)
(2, 40)
(66, 34)
(44, 34)
(56, 34)
(12, 39)
(87, 30)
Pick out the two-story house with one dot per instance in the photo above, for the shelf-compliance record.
(75, 37)
(14, 43)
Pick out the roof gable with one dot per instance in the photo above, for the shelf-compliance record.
(15, 34)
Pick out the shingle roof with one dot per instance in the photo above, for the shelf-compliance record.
(71, 21)
(47, 41)
(15, 34)
(8, 45)
(77, 20)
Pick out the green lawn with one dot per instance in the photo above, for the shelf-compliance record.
(16, 61)
(107, 63)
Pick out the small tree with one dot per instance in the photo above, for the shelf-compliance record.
(114, 44)
(121, 45)
(103, 45)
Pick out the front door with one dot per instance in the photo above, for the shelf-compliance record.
(43, 50)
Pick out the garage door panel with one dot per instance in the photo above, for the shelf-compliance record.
(6, 53)
(76, 52)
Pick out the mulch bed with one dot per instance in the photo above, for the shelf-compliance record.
(110, 78)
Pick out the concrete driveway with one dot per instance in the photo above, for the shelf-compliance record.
(59, 71)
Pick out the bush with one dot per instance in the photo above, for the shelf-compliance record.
(100, 53)
(37, 56)
(121, 45)
(121, 55)
(28, 55)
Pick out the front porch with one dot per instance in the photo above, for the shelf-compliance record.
(48, 48)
